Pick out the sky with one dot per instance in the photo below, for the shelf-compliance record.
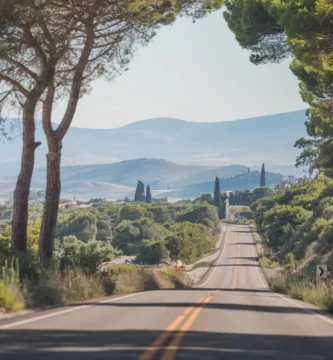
(190, 71)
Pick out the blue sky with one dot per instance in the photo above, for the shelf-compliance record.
(194, 72)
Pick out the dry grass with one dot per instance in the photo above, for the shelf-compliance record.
(122, 279)
(303, 288)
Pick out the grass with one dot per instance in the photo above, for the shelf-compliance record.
(128, 278)
(54, 287)
(11, 296)
(59, 288)
(266, 263)
(302, 287)
(202, 264)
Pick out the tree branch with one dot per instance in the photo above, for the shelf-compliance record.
(21, 66)
(15, 84)
(77, 81)
(34, 44)
(47, 110)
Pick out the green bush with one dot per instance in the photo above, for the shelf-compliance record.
(188, 242)
(324, 203)
(85, 256)
(104, 229)
(127, 237)
(328, 235)
(152, 252)
(82, 225)
(131, 212)
(266, 263)
(161, 213)
(200, 213)
(280, 221)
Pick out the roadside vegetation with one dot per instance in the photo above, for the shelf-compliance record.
(296, 233)
(88, 239)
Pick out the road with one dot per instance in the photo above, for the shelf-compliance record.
(232, 315)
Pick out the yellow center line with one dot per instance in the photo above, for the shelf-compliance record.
(171, 350)
(156, 344)
(234, 280)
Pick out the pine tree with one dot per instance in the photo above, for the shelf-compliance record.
(217, 193)
(148, 194)
(263, 176)
(140, 192)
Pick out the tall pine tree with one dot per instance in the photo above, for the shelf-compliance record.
(263, 176)
(148, 194)
(217, 193)
(140, 192)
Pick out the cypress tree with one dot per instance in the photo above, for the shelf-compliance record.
(217, 193)
(148, 194)
(263, 176)
(140, 192)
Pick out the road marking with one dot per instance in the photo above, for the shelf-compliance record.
(255, 255)
(62, 312)
(218, 261)
(157, 343)
(234, 280)
(306, 310)
(171, 349)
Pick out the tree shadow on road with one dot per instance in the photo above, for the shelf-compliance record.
(130, 344)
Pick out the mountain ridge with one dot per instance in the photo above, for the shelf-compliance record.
(268, 139)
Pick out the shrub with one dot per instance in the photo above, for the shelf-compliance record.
(328, 235)
(188, 242)
(8, 300)
(127, 237)
(325, 203)
(128, 278)
(82, 225)
(266, 263)
(153, 252)
(57, 288)
(131, 212)
(199, 213)
(280, 221)
(104, 230)
(303, 288)
(86, 256)
(161, 213)
(11, 297)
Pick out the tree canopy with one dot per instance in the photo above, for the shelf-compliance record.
(274, 30)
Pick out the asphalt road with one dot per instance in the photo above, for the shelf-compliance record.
(231, 316)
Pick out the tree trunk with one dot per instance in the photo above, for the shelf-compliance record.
(21, 193)
(51, 205)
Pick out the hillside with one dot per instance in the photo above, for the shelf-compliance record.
(244, 181)
(268, 139)
(115, 181)
(158, 173)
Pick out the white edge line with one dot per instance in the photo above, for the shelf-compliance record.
(62, 312)
(226, 231)
(309, 311)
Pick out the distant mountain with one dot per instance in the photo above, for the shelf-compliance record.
(251, 142)
(115, 181)
(157, 172)
(245, 181)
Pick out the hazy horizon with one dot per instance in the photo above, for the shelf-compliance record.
(194, 72)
